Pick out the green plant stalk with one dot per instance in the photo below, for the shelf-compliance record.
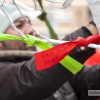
(43, 17)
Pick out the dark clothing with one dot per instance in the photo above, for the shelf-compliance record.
(79, 54)
(87, 79)
(19, 79)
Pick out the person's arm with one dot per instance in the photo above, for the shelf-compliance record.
(89, 77)
(22, 81)
(81, 54)
(84, 32)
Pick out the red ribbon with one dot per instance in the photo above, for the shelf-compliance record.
(52, 56)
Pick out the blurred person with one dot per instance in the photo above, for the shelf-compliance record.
(20, 24)
(19, 79)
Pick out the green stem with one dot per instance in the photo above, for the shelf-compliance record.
(52, 33)
(43, 17)
(40, 3)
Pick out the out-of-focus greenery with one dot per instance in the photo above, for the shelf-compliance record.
(44, 18)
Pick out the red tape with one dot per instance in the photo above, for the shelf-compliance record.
(52, 56)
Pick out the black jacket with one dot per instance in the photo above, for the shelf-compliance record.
(19, 79)
(88, 79)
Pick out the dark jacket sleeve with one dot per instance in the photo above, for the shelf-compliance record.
(87, 79)
(81, 32)
(80, 54)
(22, 81)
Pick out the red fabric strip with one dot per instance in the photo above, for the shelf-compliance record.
(52, 56)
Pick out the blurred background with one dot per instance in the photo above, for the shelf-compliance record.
(63, 21)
